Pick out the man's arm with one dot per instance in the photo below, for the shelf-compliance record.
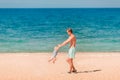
(66, 41)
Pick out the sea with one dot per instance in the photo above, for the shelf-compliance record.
(41, 29)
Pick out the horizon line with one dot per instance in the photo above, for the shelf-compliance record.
(54, 7)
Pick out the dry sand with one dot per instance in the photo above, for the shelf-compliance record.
(35, 66)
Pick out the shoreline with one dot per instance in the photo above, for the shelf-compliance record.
(59, 52)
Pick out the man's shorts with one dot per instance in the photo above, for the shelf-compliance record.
(71, 52)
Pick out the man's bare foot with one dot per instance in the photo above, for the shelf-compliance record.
(74, 71)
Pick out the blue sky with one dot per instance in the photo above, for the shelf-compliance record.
(59, 3)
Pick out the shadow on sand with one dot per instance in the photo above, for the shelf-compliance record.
(89, 71)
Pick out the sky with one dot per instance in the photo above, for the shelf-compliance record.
(59, 3)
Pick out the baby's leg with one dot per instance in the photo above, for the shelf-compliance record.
(54, 59)
(50, 59)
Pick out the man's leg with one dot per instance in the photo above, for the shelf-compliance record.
(73, 68)
(70, 65)
(70, 62)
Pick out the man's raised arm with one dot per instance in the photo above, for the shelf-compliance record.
(66, 41)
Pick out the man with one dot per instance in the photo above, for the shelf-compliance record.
(71, 53)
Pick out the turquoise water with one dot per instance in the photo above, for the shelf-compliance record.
(39, 30)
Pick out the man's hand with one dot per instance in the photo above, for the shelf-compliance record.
(56, 48)
(59, 45)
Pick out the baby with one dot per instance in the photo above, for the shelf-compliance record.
(53, 57)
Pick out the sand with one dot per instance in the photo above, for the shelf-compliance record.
(35, 66)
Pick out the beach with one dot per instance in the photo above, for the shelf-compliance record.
(28, 36)
(35, 66)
